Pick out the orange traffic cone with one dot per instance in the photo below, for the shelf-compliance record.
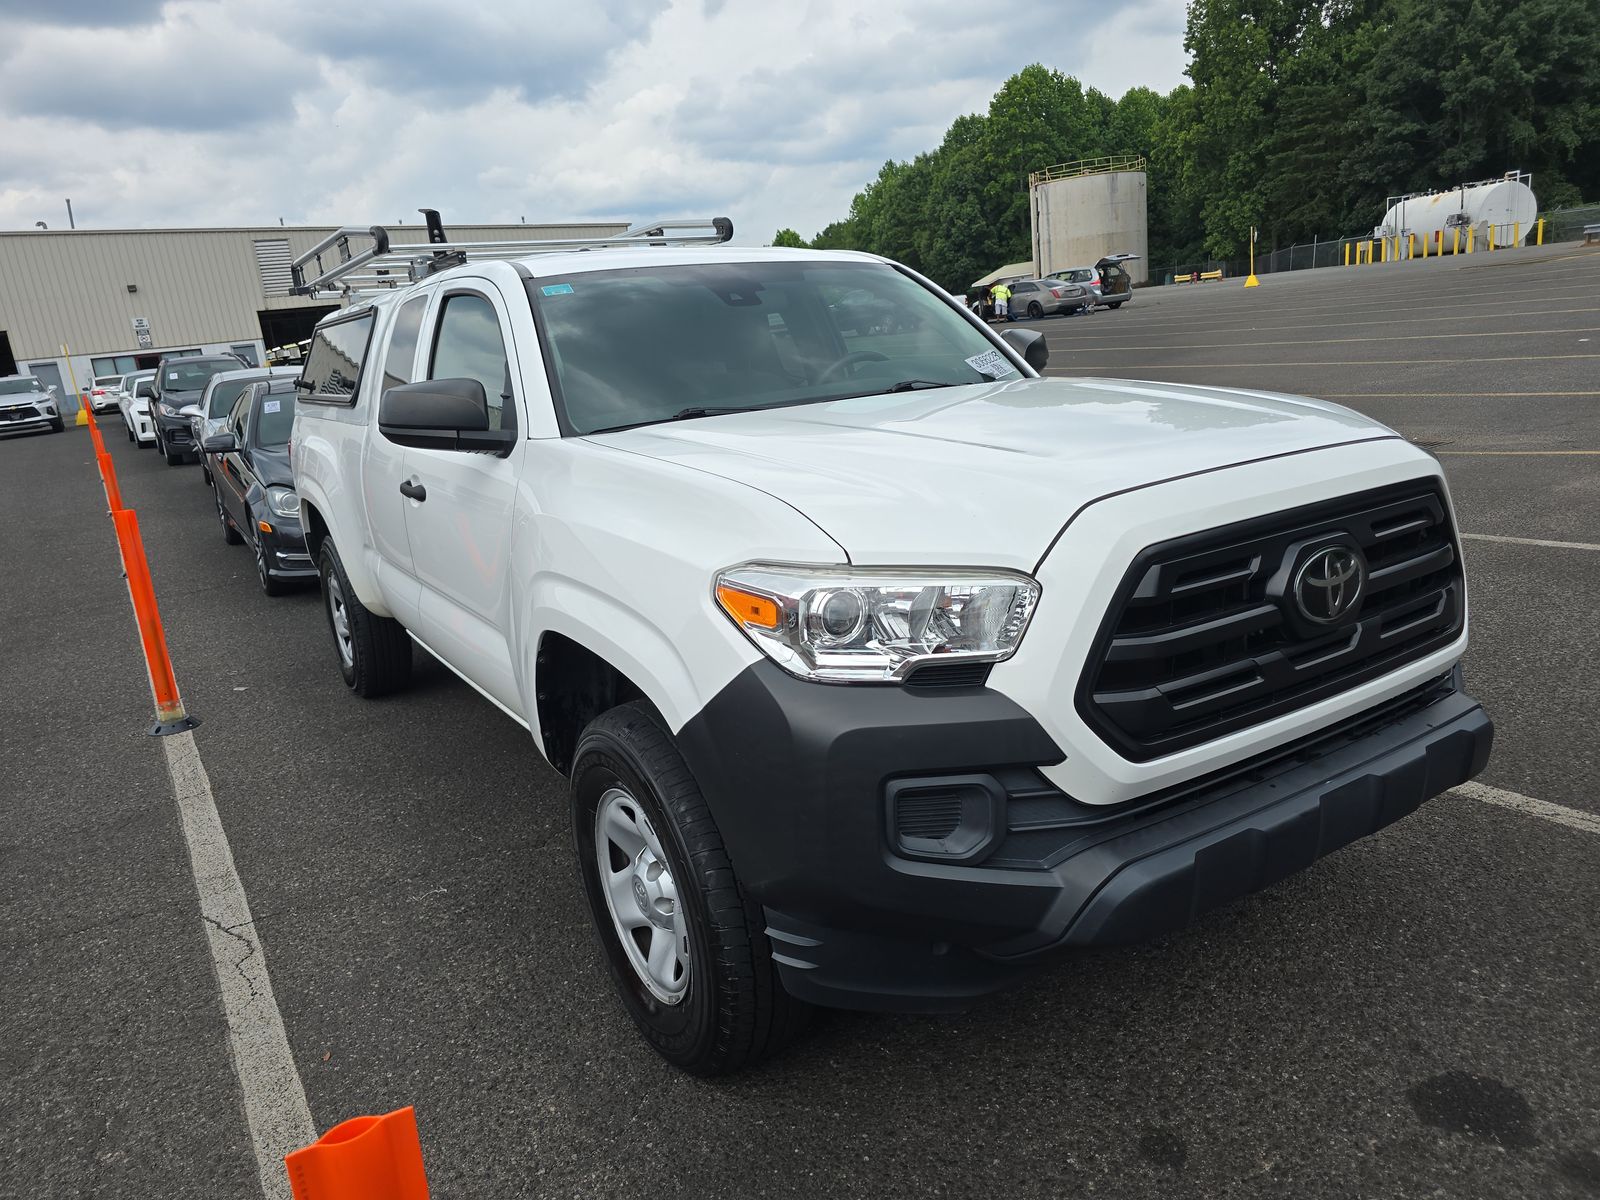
(364, 1158)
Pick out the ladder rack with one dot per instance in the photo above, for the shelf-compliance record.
(388, 264)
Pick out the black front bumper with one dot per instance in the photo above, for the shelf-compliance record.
(798, 777)
(285, 549)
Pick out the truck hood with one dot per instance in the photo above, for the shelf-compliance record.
(987, 474)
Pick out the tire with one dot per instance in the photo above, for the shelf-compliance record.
(174, 458)
(1118, 304)
(131, 438)
(230, 535)
(59, 425)
(1035, 310)
(732, 1010)
(374, 652)
(269, 585)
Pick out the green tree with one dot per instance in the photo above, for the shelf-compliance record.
(788, 237)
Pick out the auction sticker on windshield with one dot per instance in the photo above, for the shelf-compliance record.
(993, 364)
(557, 289)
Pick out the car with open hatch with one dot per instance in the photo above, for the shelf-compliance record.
(883, 671)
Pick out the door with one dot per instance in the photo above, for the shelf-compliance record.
(49, 374)
(231, 472)
(383, 467)
(459, 530)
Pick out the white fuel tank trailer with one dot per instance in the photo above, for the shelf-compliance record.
(1503, 204)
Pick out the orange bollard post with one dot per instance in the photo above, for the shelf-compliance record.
(108, 476)
(364, 1158)
(170, 714)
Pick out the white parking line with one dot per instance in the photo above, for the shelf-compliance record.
(274, 1098)
(1572, 818)
(1515, 541)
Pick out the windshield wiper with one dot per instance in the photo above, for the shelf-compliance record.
(916, 385)
(689, 414)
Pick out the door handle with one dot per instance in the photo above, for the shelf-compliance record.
(414, 491)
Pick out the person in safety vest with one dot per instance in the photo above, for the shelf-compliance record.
(1002, 301)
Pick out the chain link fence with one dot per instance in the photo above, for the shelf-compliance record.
(1561, 225)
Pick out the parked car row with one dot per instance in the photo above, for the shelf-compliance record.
(233, 420)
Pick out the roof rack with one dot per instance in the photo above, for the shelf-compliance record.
(387, 264)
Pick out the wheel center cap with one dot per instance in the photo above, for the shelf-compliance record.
(653, 890)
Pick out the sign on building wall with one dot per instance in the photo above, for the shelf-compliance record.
(141, 331)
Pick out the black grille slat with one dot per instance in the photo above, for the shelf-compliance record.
(1197, 645)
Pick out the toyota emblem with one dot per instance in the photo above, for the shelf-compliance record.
(1328, 585)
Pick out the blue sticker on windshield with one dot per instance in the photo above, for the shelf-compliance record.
(557, 289)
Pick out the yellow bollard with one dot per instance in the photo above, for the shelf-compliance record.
(1472, 236)
(1538, 234)
(1347, 254)
(1455, 246)
(1516, 238)
(1491, 237)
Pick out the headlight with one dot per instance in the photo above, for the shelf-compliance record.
(166, 409)
(858, 625)
(283, 501)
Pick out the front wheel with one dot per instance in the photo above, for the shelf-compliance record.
(1118, 304)
(269, 585)
(59, 425)
(1035, 310)
(687, 948)
(374, 652)
(173, 457)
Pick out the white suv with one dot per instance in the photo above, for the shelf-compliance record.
(882, 668)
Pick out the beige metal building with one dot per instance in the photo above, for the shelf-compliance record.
(86, 302)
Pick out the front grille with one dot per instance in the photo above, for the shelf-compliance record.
(19, 414)
(1204, 637)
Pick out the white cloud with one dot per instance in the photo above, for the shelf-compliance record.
(215, 112)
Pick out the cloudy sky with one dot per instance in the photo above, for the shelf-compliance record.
(774, 112)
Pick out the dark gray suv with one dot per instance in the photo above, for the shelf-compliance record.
(181, 382)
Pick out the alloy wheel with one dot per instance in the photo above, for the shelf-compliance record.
(641, 896)
(339, 614)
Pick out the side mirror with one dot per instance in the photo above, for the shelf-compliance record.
(189, 410)
(442, 414)
(1030, 344)
(219, 443)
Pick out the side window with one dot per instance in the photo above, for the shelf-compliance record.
(467, 345)
(239, 418)
(333, 364)
(403, 343)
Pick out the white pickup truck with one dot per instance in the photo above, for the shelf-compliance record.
(882, 669)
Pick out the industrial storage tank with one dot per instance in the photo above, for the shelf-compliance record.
(1083, 211)
(1504, 204)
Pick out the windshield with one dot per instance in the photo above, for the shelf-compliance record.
(636, 346)
(192, 374)
(276, 419)
(224, 394)
(18, 387)
(1080, 275)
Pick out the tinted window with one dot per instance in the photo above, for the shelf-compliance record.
(468, 346)
(403, 343)
(333, 364)
(638, 345)
(276, 419)
(223, 396)
(16, 387)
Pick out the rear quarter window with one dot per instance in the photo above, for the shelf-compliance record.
(332, 370)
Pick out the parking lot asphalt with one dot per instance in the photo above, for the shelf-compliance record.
(1414, 1016)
